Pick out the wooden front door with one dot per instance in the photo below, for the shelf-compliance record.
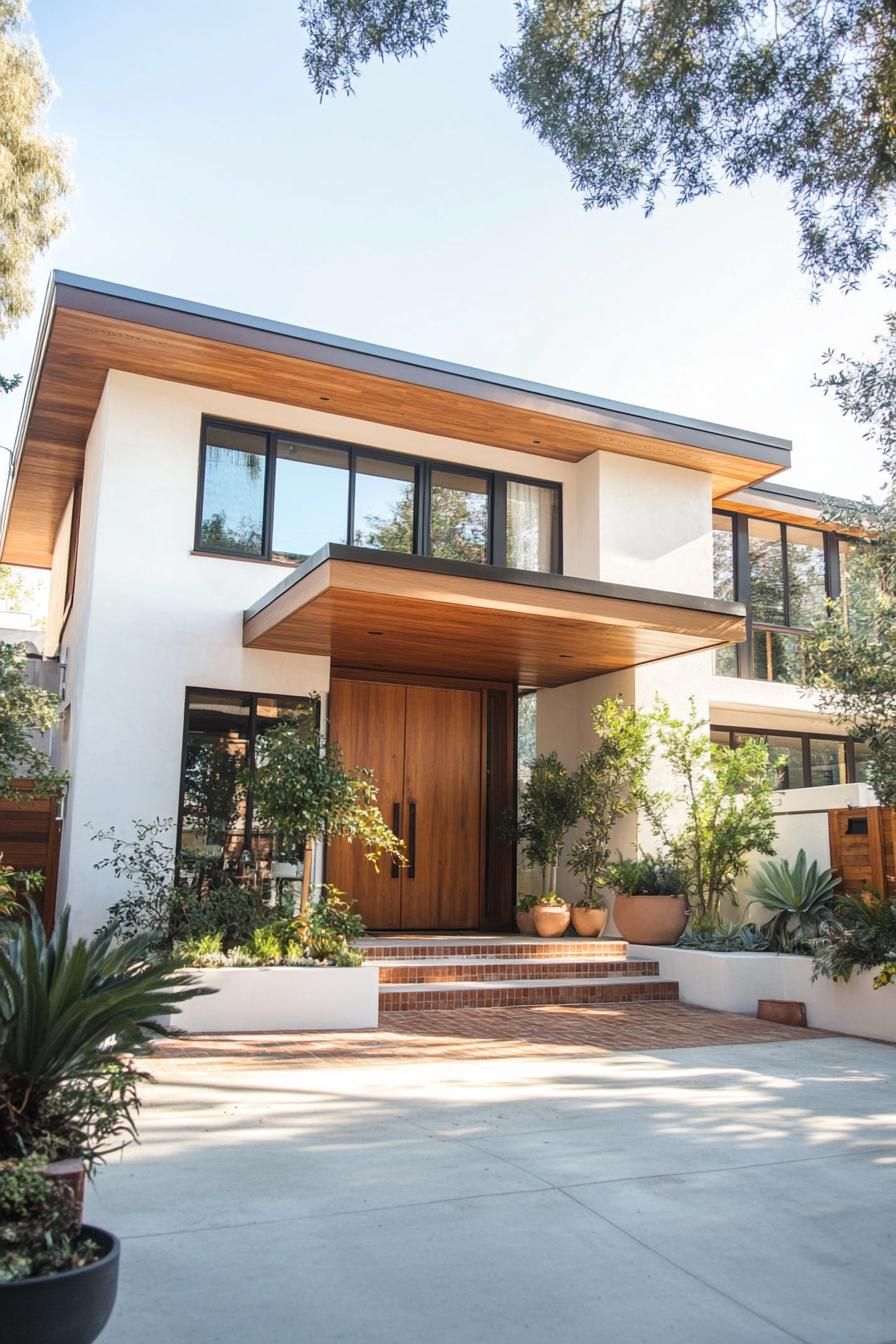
(424, 745)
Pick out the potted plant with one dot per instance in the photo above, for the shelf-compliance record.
(525, 920)
(651, 905)
(609, 785)
(71, 1013)
(548, 808)
(551, 915)
(589, 916)
(58, 1278)
(303, 791)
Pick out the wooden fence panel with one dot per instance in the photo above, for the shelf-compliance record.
(863, 848)
(29, 840)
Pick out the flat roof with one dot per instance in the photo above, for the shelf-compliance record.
(90, 326)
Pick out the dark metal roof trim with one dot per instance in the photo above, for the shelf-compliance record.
(163, 311)
(521, 578)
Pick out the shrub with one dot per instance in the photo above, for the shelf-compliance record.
(648, 875)
(801, 897)
(39, 1226)
(860, 937)
(549, 806)
(549, 898)
(726, 938)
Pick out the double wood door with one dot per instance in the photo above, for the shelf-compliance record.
(424, 746)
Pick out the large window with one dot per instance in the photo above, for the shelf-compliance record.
(217, 827)
(785, 576)
(272, 496)
(801, 760)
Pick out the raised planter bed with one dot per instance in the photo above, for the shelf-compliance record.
(283, 998)
(733, 982)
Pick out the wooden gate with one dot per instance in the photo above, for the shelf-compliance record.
(863, 848)
(29, 841)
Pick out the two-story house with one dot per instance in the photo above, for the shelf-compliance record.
(239, 512)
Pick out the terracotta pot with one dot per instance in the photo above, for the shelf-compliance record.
(525, 922)
(655, 920)
(788, 1012)
(551, 921)
(588, 923)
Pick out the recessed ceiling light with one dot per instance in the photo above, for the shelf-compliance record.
(374, 632)
(325, 398)
(536, 441)
(566, 655)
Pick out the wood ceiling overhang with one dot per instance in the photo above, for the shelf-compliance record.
(89, 327)
(408, 614)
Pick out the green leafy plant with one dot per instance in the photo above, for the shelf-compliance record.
(549, 898)
(25, 711)
(302, 791)
(609, 785)
(802, 898)
(71, 1011)
(40, 1231)
(724, 796)
(860, 937)
(725, 938)
(649, 875)
(206, 950)
(549, 806)
(14, 886)
(526, 903)
(595, 902)
(266, 947)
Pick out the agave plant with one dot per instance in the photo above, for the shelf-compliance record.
(70, 1013)
(802, 898)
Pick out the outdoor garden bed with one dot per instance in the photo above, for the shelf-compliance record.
(733, 982)
(283, 998)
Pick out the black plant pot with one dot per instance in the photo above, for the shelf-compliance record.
(68, 1308)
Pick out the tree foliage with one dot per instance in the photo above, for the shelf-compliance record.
(25, 711)
(33, 176)
(723, 795)
(636, 99)
(610, 783)
(549, 806)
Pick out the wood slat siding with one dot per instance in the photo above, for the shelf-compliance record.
(29, 840)
(83, 346)
(864, 861)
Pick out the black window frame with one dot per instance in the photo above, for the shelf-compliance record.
(806, 739)
(252, 697)
(497, 482)
(740, 540)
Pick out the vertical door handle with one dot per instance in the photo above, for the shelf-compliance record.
(396, 830)
(412, 839)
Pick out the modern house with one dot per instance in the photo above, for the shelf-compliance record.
(238, 513)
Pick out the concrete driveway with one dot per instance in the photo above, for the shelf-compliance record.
(729, 1194)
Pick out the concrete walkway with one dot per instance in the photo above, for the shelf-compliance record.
(730, 1194)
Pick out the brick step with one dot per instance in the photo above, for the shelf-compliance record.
(419, 997)
(504, 948)
(427, 971)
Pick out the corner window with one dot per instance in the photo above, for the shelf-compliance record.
(724, 585)
(271, 496)
(801, 760)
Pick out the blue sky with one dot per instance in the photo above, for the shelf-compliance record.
(420, 214)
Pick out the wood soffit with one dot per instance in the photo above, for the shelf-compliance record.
(420, 621)
(90, 331)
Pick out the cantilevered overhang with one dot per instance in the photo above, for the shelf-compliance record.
(89, 327)
(409, 614)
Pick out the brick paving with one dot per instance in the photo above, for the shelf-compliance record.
(489, 1033)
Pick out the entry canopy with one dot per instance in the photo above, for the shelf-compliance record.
(375, 611)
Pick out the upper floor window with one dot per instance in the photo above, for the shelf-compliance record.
(802, 760)
(785, 575)
(273, 496)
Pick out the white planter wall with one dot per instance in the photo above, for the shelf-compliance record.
(283, 998)
(732, 982)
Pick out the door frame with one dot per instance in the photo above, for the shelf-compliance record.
(497, 877)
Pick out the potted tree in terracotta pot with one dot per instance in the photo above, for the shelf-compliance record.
(549, 806)
(610, 784)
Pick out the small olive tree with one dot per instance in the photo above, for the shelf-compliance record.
(609, 784)
(549, 806)
(724, 794)
(303, 790)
